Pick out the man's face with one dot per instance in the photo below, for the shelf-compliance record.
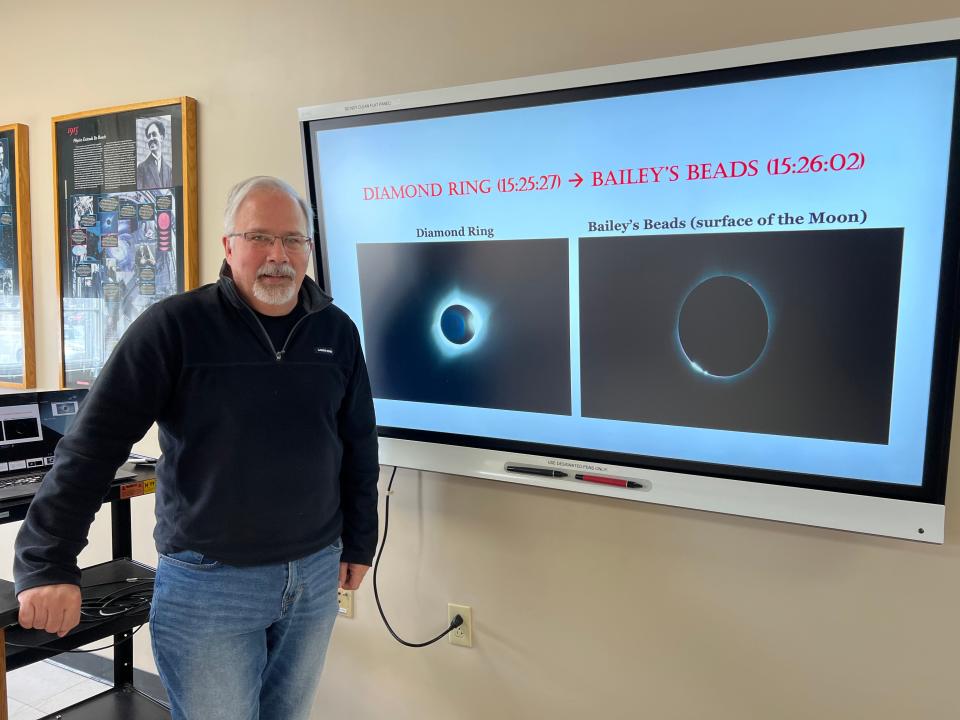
(267, 278)
(154, 139)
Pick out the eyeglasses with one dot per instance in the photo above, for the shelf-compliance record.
(262, 241)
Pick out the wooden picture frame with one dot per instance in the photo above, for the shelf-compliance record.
(17, 350)
(125, 186)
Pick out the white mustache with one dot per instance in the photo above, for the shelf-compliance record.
(277, 270)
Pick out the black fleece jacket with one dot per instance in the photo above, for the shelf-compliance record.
(269, 454)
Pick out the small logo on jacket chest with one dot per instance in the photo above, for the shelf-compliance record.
(320, 350)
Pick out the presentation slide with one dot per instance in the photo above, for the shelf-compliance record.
(744, 274)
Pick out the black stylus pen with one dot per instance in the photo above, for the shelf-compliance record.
(545, 472)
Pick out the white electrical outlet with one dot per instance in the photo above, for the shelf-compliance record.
(345, 600)
(462, 635)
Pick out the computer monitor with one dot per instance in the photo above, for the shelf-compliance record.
(31, 425)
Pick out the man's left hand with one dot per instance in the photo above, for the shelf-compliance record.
(351, 575)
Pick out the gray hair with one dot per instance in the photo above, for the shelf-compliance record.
(242, 189)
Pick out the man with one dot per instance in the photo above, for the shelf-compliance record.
(153, 172)
(260, 392)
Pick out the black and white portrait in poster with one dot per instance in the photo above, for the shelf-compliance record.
(154, 156)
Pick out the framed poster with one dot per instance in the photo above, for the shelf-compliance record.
(126, 203)
(17, 361)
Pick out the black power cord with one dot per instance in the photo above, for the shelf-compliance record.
(125, 601)
(457, 620)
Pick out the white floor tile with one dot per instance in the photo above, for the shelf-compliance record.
(39, 689)
(27, 713)
(72, 695)
(34, 683)
(14, 705)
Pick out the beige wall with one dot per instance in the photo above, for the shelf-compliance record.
(584, 606)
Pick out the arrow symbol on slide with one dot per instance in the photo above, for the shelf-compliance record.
(576, 179)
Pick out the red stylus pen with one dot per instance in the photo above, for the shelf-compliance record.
(618, 482)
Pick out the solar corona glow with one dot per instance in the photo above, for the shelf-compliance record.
(458, 324)
(723, 327)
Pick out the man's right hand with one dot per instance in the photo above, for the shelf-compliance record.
(54, 608)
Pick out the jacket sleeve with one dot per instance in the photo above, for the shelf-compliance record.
(360, 466)
(126, 399)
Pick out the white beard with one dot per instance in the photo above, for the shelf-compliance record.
(275, 295)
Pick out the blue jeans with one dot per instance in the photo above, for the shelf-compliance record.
(243, 643)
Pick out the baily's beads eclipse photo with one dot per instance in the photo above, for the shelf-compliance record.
(723, 326)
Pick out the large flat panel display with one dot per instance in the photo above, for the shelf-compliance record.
(735, 287)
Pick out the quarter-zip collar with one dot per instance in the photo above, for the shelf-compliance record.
(311, 298)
